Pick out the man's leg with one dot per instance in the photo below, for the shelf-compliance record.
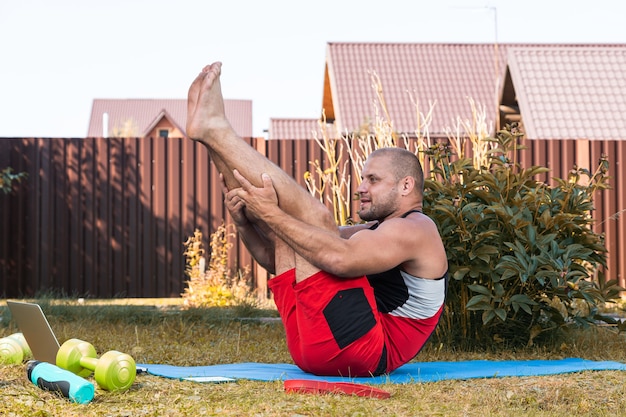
(331, 323)
(207, 123)
(299, 202)
(317, 313)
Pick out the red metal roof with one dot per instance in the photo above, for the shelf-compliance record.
(298, 129)
(444, 74)
(145, 112)
(570, 93)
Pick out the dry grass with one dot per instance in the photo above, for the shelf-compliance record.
(165, 334)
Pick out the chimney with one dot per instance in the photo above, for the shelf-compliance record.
(105, 125)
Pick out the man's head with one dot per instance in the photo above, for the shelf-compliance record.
(392, 181)
(403, 164)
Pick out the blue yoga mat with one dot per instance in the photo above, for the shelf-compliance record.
(410, 373)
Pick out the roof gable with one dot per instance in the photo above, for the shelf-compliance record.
(145, 113)
(157, 120)
(412, 77)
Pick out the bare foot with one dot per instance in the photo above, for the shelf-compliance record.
(205, 104)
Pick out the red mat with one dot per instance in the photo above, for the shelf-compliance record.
(305, 386)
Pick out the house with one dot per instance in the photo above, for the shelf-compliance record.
(157, 117)
(558, 91)
(569, 99)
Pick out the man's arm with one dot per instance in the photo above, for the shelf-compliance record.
(346, 232)
(260, 246)
(395, 242)
(365, 252)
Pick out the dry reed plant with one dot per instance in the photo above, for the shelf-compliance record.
(215, 285)
(332, 185)
(379, 135)
(422, 131)
(476, 130)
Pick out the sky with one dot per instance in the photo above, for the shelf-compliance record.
(57, 56)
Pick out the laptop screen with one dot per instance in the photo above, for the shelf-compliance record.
(34, 326)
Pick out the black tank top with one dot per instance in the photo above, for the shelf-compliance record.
(391, 288)
(374, 226)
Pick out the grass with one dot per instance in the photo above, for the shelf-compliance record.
(162, 332)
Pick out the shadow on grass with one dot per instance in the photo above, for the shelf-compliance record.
(61, 310)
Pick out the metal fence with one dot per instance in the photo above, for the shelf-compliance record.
(108, 217)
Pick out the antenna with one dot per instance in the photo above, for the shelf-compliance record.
(496, 57)
(496, 60)
(488, 7)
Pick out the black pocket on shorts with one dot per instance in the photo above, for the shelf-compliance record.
(349, 316)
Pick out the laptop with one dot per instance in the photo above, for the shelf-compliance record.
(34, 326)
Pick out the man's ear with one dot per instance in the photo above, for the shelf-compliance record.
(407, 184)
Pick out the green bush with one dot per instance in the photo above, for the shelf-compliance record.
(7, 177)
(523, 258)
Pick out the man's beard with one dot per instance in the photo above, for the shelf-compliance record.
(379, 211)
(368, 215)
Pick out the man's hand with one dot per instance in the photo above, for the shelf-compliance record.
(234, 204)
(258, 238)
(257, 201)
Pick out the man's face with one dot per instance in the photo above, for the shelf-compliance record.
(378, 192)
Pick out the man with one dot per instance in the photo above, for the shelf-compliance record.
(355, 301)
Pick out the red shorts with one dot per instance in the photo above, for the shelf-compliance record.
(332, 324)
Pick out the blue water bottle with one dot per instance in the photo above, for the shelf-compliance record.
(52, 378)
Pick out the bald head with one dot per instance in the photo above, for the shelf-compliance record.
(402, 164)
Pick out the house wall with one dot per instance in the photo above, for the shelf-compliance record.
(174, 132)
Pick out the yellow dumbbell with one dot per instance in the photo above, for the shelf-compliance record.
(114, 371)
(14, 349)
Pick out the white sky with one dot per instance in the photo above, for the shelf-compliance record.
(56, 56)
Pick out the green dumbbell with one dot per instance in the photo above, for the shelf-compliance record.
(14, 349)
(114, 371)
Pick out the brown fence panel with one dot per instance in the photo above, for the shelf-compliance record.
(609, 206)
(108, 217)
(104, 217)
(619, 218)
